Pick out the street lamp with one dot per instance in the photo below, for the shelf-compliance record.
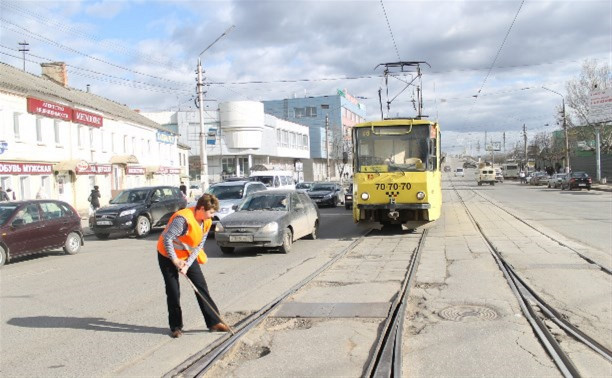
(203, 157)
(567, 159)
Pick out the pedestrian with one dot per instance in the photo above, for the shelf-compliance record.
(11, 194)
(41, 193)
(522, 176)
(183, 188)
(3, 195)
(178, 247)
(94, 200)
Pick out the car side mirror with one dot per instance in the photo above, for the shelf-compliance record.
(235, 207)
(18, 222)
(154, 200)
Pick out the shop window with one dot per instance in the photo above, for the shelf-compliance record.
(16, 126)
(39, 137)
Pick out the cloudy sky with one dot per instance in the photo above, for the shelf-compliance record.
(489, 59)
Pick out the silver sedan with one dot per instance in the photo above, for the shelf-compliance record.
(270, 219)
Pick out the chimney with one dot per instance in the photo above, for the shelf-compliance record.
(55, 71)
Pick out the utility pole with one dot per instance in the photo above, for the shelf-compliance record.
(567, 158)
(203, 133)
(327, 143)
(24, 48)
(525, 146)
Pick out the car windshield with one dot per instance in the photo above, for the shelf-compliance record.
(323, 187)
(131, 196)
(225, 192)
(303, 185)
(6, 210)
(266, 180)
(272, 202)
(580, 175)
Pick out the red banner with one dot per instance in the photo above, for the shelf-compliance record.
(169, 171)
(87, 118)
(26, 168)
(93, 169)
(134, 170)
(49, 109)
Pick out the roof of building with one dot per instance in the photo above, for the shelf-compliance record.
(16, 81)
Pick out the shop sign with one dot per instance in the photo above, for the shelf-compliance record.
(93, 169)
(134, 170)
(86, 118)
(49, 109)
(172, 170)
(164, 137)
(26, 168)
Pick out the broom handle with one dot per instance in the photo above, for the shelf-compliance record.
(209, 305)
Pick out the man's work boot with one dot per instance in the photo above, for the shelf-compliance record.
(219, 327)
(177, 333)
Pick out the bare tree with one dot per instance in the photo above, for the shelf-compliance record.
(340, 154)
(594, 76)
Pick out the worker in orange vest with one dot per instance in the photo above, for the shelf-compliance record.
(179, 246)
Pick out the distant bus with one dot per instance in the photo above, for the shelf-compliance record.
(511, 170)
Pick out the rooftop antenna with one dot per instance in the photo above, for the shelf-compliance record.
(24, 48)
(399, 67)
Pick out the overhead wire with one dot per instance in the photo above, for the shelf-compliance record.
(390, 30)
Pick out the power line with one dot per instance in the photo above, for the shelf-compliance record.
(390, 31)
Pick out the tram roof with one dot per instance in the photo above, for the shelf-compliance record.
(397, 122)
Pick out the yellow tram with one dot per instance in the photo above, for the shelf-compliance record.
(397, 177)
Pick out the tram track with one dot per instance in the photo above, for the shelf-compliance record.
(384, 358)
(530, 302)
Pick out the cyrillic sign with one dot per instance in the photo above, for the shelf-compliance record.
(86, 118)
(49, 109)
(135, 170)
(164, 137)
(93, 169)
(26, 168)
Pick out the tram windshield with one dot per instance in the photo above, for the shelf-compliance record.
(392, 149)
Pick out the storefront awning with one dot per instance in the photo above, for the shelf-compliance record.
(69, 165)
(124, 159)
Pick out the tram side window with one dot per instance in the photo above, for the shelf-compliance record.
(433, 155)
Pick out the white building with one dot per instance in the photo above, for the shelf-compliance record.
(240, 137)
(63, 141)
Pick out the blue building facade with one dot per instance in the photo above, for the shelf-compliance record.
(343, 111)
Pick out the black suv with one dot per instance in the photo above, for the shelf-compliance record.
(137, 210)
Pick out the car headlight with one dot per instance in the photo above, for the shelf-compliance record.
(420, 195)
(365, 196)
(329, 195)
(219, 227)
(270, 227)
(127, 212)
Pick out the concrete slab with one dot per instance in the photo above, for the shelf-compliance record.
(332, 310)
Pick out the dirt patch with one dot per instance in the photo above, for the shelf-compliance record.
(283, 324)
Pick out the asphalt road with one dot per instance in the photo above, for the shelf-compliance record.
(103, 311)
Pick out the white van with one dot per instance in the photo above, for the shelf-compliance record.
(274, 179)
(459, 172)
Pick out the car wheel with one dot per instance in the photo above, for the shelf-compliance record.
(101, 236)
(3, 256)
(479, 184)
(143, 226)
(348, 207)
(72, 245)
(548, 186)
(315, 231)
(227, 250)
(287, 242)
(492, 183)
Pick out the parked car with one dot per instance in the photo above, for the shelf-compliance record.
(539, 178)
(29, 227)
(469, 164)
(269, 219)
(304, 185)
(195, 191)
(137, 210)
(231, 193)
(447, 168)
(555, 180)
(499, 176)
(274, 179)
(459, 172)
(576, 180)
(348, 198)
(326, 194)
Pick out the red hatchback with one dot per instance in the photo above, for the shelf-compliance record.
(28, 227)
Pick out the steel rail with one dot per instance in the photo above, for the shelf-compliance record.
(387, 355)
(201, 362)
(586, 258)
(563, 362)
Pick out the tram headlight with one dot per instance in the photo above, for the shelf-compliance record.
(420, 195)
(365, 196)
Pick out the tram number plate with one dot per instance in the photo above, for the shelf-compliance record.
(394, 186)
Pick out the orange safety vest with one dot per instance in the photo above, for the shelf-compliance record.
(190, 240)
